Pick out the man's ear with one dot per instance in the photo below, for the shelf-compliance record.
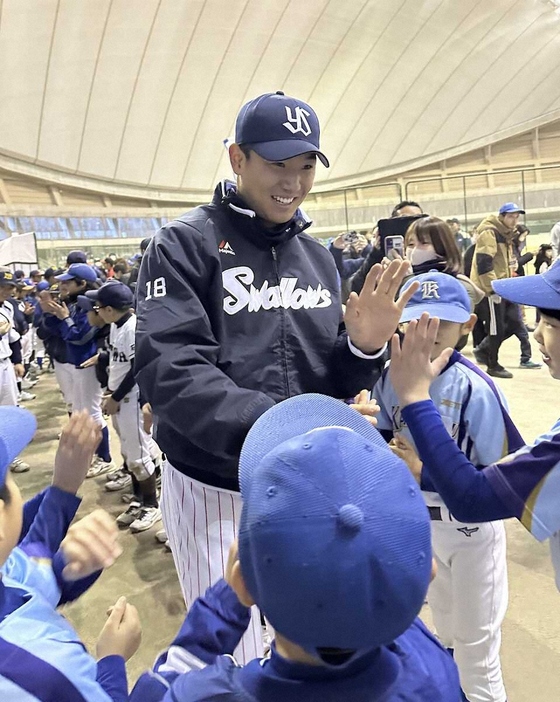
(469, 325)
(237, 584)
(237, 158)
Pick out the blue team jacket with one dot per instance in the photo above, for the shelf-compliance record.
(199, 667)
(76, 332)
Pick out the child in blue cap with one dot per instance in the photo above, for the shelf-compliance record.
(334, 548)
(469, 595)
(42, 566)
(525, 485)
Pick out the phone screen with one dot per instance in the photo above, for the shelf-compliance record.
(394, 247)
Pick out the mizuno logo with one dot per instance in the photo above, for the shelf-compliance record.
(225, 248)
(238, 282)
(468, 531)
(297, 122)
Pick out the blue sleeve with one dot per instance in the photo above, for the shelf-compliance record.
(30, 509)
(77, 330)
(465, 490)
(213, 627)
(52, 519)
(111, 675)
(70, 590)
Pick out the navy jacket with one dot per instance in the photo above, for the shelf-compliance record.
(233, 318)
(77, 333)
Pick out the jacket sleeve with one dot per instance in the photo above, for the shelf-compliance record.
(484, 254)
(177, 362)
(77, 330)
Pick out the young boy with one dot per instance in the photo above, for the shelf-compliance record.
(525, 484)
(41, 656)
(113, 303)
(334, 548)
(468, 597)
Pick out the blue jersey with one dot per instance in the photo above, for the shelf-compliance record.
(472, 409)
(414, 668)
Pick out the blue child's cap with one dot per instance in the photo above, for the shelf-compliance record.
(334, 538)
(542, 290)
(43, 285)
(510, 207)
(113, 293)
(279, 127)
(17, 427)
(78, 270)
(441, 295)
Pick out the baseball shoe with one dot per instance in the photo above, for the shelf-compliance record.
(27, 383)
(99, 467)
(481, 356)
(146, 518)
(126, 518)
(530, 364)
(19, 466)
(499, 372)
(119, 480)
(26, 396)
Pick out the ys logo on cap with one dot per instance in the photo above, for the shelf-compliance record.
(430, 290)
(297, 122)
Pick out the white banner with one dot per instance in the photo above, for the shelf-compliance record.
(18, 249)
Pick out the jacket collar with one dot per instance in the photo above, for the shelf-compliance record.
(226, 196)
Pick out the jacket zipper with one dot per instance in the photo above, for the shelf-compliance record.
(283, 340)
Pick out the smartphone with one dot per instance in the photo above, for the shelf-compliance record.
(394, 247)
(351, 237)
(395, 226)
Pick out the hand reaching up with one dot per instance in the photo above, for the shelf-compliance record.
(122, 632)
(78, 441)
(90, 545)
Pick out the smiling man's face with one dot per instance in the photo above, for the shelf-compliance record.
(273, 189)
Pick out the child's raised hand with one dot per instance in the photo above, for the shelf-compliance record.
(122, 632)
(411, 371)
(90, 545)
(366, 407)
(79, 439)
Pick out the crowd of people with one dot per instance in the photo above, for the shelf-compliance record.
(326, 455)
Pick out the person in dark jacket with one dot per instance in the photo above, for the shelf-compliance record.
(238, 309)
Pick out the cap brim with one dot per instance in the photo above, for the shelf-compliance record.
(447, 313)
(531, 290)
(294, 417)
(17, 428)
(513, 212)
(64, 276)
(85, 303)
(287, 149)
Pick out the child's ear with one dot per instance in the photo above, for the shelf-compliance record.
(469, 325)
(237, 584)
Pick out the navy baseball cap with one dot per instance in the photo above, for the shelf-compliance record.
(7, 278)
(278, 127)
(542, 290)
(17, 427)
(78, 270)
(334, 537)
(76, 257)
(441, 295)
(510, 207)
(110, 294)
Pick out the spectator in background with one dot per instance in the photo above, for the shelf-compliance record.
(555, 239)
(519, 243)
(492, 261)
(133, 277)
(349, 251)
(109, 267)
(544, 258)
(405, 208)
(462, 239)
(120, 271)
(76, 257)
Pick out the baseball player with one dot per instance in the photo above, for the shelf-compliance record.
(238, 309)
(525, 484)
(113, 303)
(334, 546)
(468, 597)
(70, 322)
(11, 366)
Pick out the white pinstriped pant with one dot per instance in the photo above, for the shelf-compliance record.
(201, 524)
